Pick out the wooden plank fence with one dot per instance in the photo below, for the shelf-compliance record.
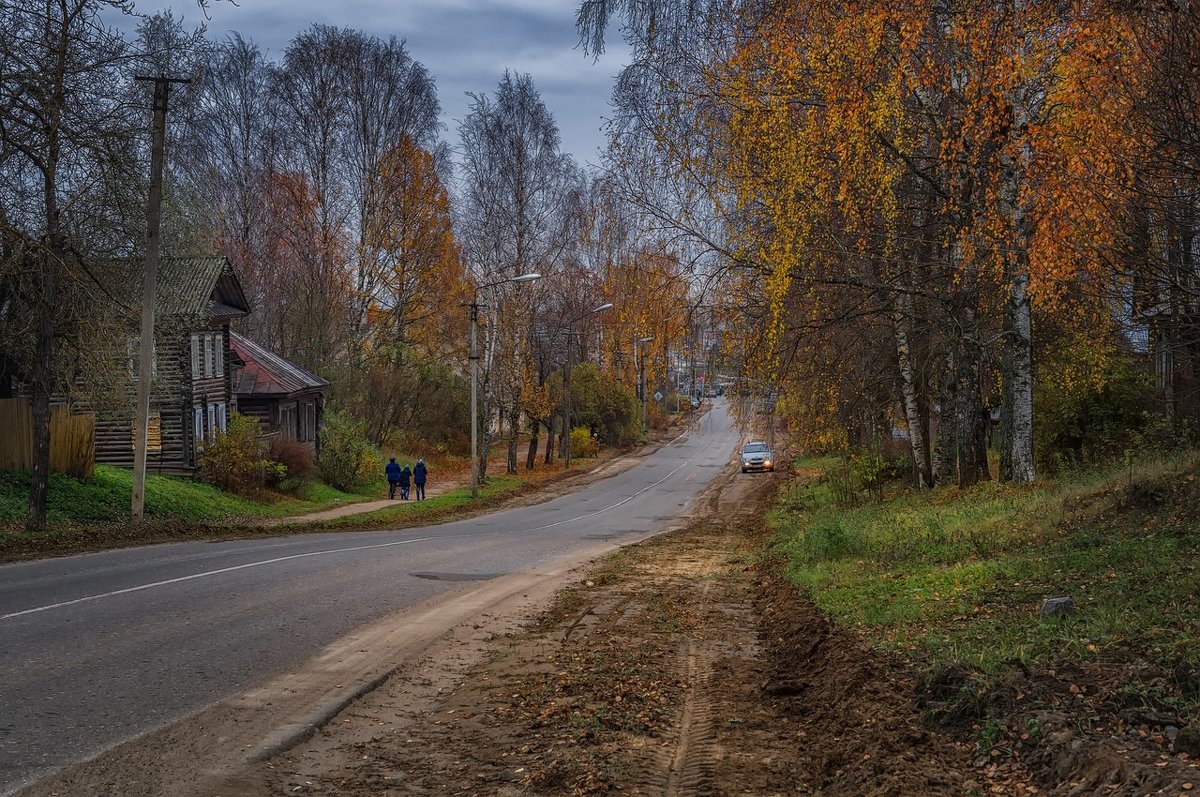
(72, 439)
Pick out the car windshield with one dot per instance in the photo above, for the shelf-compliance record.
(754, 448)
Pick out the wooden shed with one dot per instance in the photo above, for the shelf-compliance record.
(285, 398)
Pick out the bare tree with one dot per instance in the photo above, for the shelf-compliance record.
(65, 125)
(514, 181)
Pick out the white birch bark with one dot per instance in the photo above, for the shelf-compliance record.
(1022, 380)
(908, 386)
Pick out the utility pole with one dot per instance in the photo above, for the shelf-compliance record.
(474, 398)
(162, 87)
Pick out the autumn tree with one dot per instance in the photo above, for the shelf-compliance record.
(414, 320)
(881, 173)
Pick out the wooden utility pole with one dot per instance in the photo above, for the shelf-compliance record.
(162, 87)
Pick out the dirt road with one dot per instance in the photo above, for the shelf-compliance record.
(678, 666)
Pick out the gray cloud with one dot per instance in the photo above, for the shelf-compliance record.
(465, 44)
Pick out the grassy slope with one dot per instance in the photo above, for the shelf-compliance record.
(959, 576)
(106, 498)
(94, 515)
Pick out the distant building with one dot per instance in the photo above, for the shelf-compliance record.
(202, 371)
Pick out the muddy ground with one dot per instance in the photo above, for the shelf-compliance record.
(678, 666)
(683, 665)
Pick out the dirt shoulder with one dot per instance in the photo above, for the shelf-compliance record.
(679, 666)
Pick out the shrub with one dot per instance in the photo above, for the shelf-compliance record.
(582, 442)
(1091, 406)
(827, 539)
(348, 461)
(863, 472)
(599, 401)
(297, 460)
(233, 460)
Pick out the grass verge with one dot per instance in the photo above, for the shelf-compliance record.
(958, 576)
(105, 497)
(182, 510)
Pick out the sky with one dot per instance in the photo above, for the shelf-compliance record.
(465, 44)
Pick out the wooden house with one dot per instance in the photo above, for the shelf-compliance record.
(192, 388)
(285, 398)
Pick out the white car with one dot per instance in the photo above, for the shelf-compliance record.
(756, 455)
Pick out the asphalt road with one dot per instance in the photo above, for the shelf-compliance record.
(99, 648)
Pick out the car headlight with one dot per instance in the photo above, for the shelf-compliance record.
(766, 463)
(745, 462)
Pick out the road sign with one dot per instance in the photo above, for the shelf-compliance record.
(658, 396)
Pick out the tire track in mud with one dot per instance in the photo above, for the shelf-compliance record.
(691, 766)
(690, 769)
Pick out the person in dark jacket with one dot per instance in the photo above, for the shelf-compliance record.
(393, 477)
(405, 476)
(420, 473)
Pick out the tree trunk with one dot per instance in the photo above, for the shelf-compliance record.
(43, 364)
(549, 441)
(40, 395)
(1017, 416)
(972, 463)
(1020, 429)
(947, 430)
(514, 430)
(909, 388)
(1006, 400)
(531, 458)
(485, 442)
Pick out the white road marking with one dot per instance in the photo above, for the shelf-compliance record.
(205, 574)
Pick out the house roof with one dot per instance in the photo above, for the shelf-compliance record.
(265, 373)
(206, 286)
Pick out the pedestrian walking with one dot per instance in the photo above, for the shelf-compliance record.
(392, 470)
(420, 473)
(405, 476)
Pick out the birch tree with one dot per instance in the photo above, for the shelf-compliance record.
(514, 180)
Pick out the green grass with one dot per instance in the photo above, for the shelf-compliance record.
(960, 575)
(106, 498)
(94, 515)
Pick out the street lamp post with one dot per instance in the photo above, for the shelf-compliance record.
(640, 377)
(567, 383)
(474, 305)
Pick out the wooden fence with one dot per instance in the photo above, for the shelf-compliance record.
(72, 439)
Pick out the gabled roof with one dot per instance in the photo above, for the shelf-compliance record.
(265, 373)
(203, 286)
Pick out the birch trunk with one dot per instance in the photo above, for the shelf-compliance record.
(908, 386)
(1017, 440)
(1020, 445)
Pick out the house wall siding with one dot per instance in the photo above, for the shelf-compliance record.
(114, 431)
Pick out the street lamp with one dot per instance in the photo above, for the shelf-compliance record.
(640, 379)
(474, 305)
(567, 383)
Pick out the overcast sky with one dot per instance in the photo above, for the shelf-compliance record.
(465, 44)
